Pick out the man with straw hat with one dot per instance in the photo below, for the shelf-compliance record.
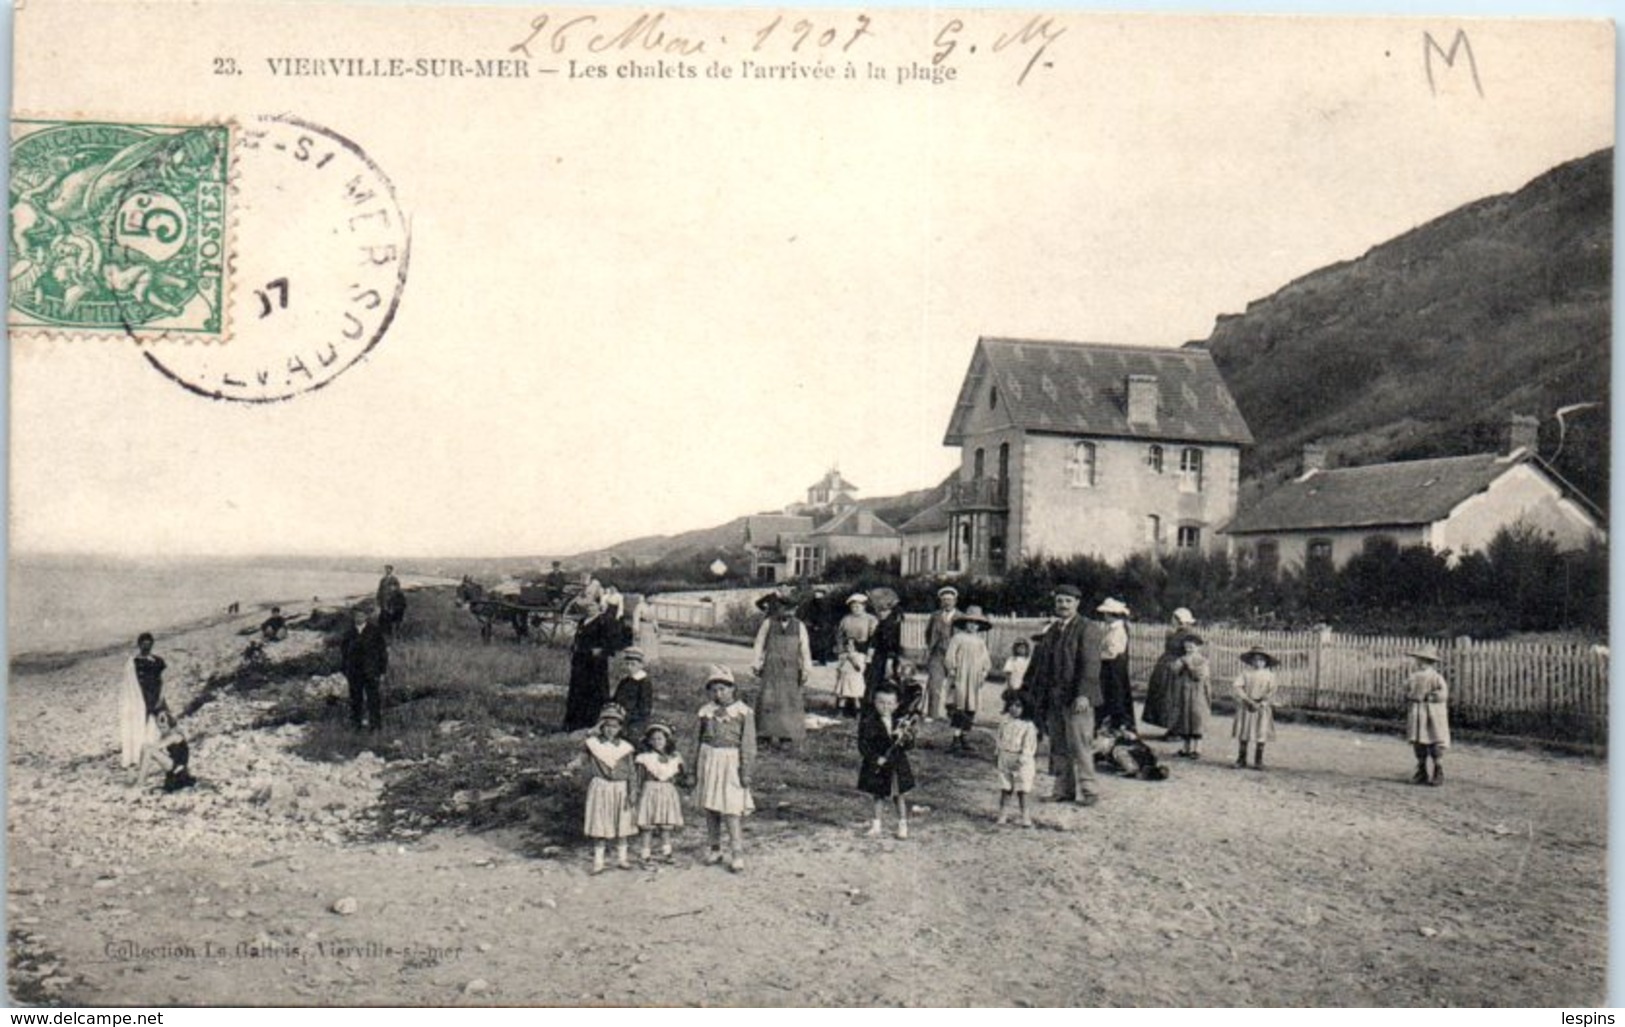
(1427, 722)
(1065, 682)
(938, 630)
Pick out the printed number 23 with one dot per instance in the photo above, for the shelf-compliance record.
(226, 66)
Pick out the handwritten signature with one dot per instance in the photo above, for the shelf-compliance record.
(654, 32)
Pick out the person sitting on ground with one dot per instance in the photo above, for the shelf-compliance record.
(275, 628)
(171, 754)
(1120, 751)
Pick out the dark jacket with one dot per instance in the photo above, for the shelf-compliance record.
(1066, 665)
(875, 743)
(363, 653)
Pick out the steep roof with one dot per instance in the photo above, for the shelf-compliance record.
(1409, 492)
(765, 529)
(833, 481)
(932, 518)
(1080, 388)
(856, 521)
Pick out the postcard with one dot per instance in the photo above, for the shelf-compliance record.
(393, 387)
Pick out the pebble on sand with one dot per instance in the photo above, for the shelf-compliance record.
(346, 906)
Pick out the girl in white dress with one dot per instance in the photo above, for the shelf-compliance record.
(609, 791)
(660, 808)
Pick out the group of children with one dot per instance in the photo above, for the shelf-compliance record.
(634, 790)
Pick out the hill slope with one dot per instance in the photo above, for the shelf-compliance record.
(1426, 344)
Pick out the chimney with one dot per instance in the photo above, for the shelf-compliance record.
(1142, 399)
(1523, 432)
(1314, 458)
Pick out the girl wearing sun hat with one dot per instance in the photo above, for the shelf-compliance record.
(660, 808)
(723, 765)
(609, 790)
(967, 663)
(1254, 692)
(1427, 722)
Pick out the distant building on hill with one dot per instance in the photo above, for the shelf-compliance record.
(801, 542)
(1454, 503)
(1073, 448)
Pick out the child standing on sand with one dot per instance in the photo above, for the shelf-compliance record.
(884, 739)
(609, 791)
(726, 758)
(1255, 705)
(1015, 665)
(660, 808)
(967, 662)
(1427, 723)
(1018, 754)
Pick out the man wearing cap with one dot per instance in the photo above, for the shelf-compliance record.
(1065, 680)
(938, 631)
(364, 659)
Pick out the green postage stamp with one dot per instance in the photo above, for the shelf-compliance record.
(118, 229)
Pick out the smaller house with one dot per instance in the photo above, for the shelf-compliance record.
(777, 546)
(1454, 504)
(786, 547)
(831, 492)
(925, 540)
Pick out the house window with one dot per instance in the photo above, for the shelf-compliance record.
(976, 469)
(1153, 530)
(1083, 465)
(1190, 536)
(1153, 459)
(993, 398)
(1269, 557)
(1190, 469)
(1318, 553)
(965, 536)
(1004, 461)
(936, 558)
(805, 561)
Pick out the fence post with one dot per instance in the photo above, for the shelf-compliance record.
(1323, 637)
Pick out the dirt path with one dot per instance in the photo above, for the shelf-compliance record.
(1327, 881)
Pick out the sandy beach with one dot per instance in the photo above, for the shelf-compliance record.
(1327, 881)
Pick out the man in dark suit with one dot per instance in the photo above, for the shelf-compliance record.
(364, 657)
(1065, 681)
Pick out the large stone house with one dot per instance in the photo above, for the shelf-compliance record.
(1082, 448)
(1453, 504)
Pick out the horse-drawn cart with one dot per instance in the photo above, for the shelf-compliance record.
(538, 612)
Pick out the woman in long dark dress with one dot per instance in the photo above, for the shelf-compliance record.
(141, 696)
(1159, 695)
(597, 636)
(887, 641)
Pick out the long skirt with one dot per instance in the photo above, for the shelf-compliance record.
(649, 641)
(936, 686)
(660, 805)
(719, 788)
(1159, 693)
(137, 728)
(1117, 693)
(589, 690)
(1192, 705)
(849, 682)
(781, 711)
(609, 814)
(1254, 725)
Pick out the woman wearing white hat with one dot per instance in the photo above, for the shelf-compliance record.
(1427, 722)
(1117, 695)
(854, 636)
(1159, 691)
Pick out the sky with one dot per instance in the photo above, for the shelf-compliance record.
(643, 308)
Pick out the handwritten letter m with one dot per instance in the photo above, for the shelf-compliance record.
(1460, 43)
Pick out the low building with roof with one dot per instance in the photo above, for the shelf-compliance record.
(1093, 449)
(925, 540)
(1451, 504)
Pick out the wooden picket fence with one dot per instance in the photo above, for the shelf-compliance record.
(1556, 690)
